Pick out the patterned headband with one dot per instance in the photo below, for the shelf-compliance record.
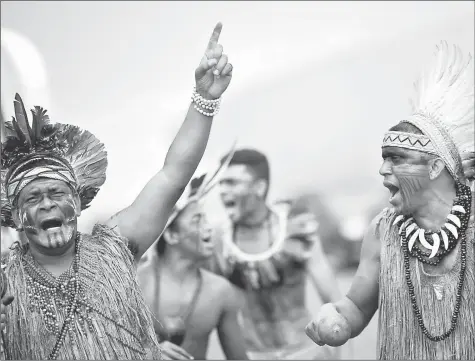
(434, 140)
(34, 167)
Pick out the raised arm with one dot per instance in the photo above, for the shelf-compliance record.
(143, 221)
(347, 318)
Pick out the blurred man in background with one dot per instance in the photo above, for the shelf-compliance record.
(189, 302)
(268, 251)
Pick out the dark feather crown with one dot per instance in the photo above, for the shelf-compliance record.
(79, 148)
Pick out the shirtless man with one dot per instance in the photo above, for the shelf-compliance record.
(268, 251)
(194, 301)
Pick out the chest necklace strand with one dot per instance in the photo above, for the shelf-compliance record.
(47, 292)
(453, 230)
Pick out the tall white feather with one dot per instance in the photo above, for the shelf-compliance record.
(445, 92)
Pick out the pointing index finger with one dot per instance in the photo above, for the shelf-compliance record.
(213, 41)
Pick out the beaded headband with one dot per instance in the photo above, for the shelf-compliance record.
(418, 142)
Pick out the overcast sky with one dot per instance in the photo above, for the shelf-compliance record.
(315, 84)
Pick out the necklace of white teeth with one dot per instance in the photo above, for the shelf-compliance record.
(451, 231)
(454, 227)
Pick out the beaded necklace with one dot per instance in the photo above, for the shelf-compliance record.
(47, 292)
(462, 205)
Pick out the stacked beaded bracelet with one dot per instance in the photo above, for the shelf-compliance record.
(208, 107)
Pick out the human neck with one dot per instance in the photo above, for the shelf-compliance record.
(256, 217)
(432, 216)
(55, 260)
(177, 266)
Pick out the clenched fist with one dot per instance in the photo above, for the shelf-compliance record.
(329, 328)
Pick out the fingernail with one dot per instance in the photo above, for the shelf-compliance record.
(216, 72)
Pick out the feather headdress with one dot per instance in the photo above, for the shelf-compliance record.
(58, 151)
(201, 186)
(443, 109)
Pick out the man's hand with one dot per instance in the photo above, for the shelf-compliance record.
(302, 225)
(171, 351)
(329, 328)
(214, 73)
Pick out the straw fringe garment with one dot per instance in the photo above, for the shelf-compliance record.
(400, 337)
(107, 271)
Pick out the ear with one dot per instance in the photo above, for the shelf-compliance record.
(16, 217)
(170, 237)
(436, 166)
(261, 188)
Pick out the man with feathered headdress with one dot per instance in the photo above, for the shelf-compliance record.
(418, 257)
(76, 295)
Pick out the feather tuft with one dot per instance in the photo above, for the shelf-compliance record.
(40, 121)
(22, 118)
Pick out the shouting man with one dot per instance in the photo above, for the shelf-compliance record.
(417, 260)
(76, 295)
(188, 301)
(266, 251)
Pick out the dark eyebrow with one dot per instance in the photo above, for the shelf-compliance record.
(57, 187)
(32, 192)
(391, 153)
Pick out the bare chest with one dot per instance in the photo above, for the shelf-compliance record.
(257, 239)
(198, 307)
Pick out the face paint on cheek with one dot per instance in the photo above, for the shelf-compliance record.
(27, 222)
(70, 210)
(412, 180)
(65, 233)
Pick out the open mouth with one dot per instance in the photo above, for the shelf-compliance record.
(51, 223)
(229, 204)
(206, 240)
(393, 190)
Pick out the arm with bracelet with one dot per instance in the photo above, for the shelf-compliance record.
(144, 220)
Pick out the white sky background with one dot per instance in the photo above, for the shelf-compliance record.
(315, 84)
